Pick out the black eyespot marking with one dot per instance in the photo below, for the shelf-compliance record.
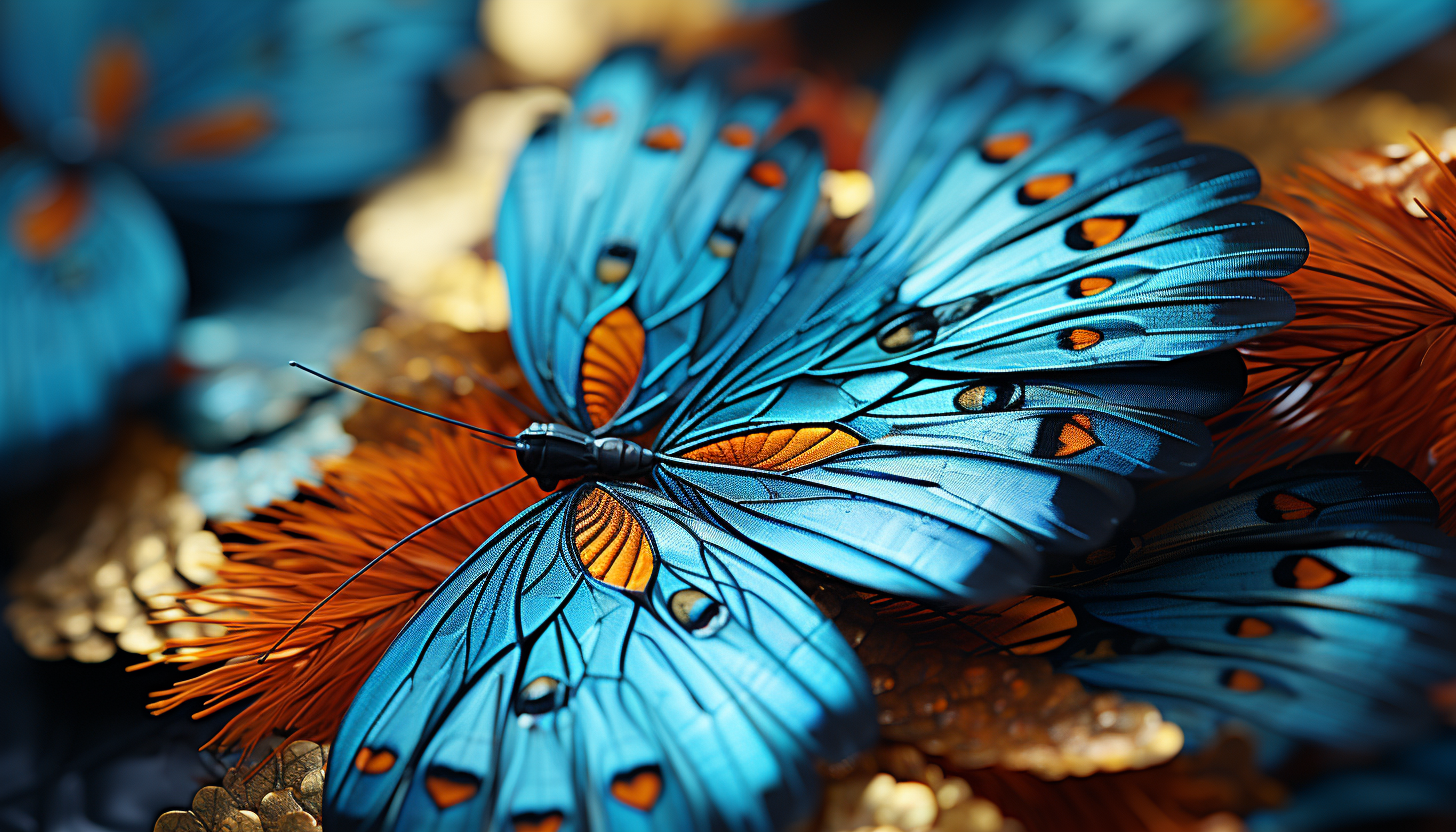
(989, 398)
(615, 262)
(908, 331)
(538, 696)
(724, 242)
(698, 612)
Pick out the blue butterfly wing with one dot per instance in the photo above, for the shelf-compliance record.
(637, 200)
(1312, 604)
(91, 287)
(657, 712)
(268, 101)
(949, 343)
(1312, 51)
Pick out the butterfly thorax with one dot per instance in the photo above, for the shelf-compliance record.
(552, 453)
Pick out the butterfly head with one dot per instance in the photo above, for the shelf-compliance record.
(551, 453)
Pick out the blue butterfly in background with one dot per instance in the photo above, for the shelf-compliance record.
(1033, 315)
(234, 117)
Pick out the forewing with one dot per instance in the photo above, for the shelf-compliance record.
(606, 661)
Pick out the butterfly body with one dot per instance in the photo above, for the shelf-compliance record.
(550, 453)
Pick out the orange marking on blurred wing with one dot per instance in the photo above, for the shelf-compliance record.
(1075, 436)
(115, 83)
(737, 135)
(1089, 286)
(448, 791)
(222, 131)
(1243, 681)
(601, 116)
(1047, 186)
(374, 762)
(1271, 34)
(666, 137)
(780, 450)
(611, 361)
(1080, 339)
(1004, 146)
(1253, 628)
(610, 543)
(768, 173)
(533, 823)
(639, 790)
(48, 218)
(1312, 573)
(1027, 625)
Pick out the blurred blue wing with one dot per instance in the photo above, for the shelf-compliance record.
(1311, 49)
(276, 100)
(639, 198)
(91, 286)
(1312, 604)
(654, 713)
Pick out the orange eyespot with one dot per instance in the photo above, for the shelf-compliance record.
(222, 131)
(1310, 573)
(374, 761)
(768, 173)
(1089, 286)
(49, 217)
(666, 137)
(116, 81)
(1004, 146)
(1249, 627)
(544, 822)
(1075, 436)
(737, 135)
(1079, 339)
(639, 789)
(449, 788)
(1095, 232)
(1042, 188)
(1291, 507)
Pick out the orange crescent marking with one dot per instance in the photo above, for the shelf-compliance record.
(1089, 286)
(768, 173)
(780, 450)
(49, 217)
(601, 116)
(1081, 339)
(115, 82)
(1075, 436)
(610, 543)
(1311, 573)
(640, 790)
(610, 364)
(737, 135)
(1291, 507)
(667, 137)
(1243, 681)
(221, 131)
(1099, 231)
(543, 823)
(1253, 628)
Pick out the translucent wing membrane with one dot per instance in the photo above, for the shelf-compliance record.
(606, 661)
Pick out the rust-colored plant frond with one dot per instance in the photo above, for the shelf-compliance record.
(1369, 363)
(296, 552)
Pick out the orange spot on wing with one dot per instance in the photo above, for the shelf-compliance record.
(600, 116)
(222, 131)
(115, 82)
(638, 789)
(1291, 507)
(1243, 681)
(1080, 339)
(1004, 146)
(374, 761)
(737, 135)
(780, 450)
(1045, 187)
(611, 543)
(48, 218)
(549, 822)
(1075, 436)
(1313, 573)
(1252, 628)
(610, 364)
(667, 137)
(1089, 286)
(450, 789)
(768, 173)
(1027, 625)
(1099, 231)
(1271, 34)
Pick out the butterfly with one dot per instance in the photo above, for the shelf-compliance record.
(91, 287)
(1033, 315)
(1310, 604)
(272, 101)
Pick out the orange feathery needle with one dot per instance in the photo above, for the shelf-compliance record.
(1369, 363)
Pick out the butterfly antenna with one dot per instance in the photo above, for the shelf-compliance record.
(388, 400)
(381, 556)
